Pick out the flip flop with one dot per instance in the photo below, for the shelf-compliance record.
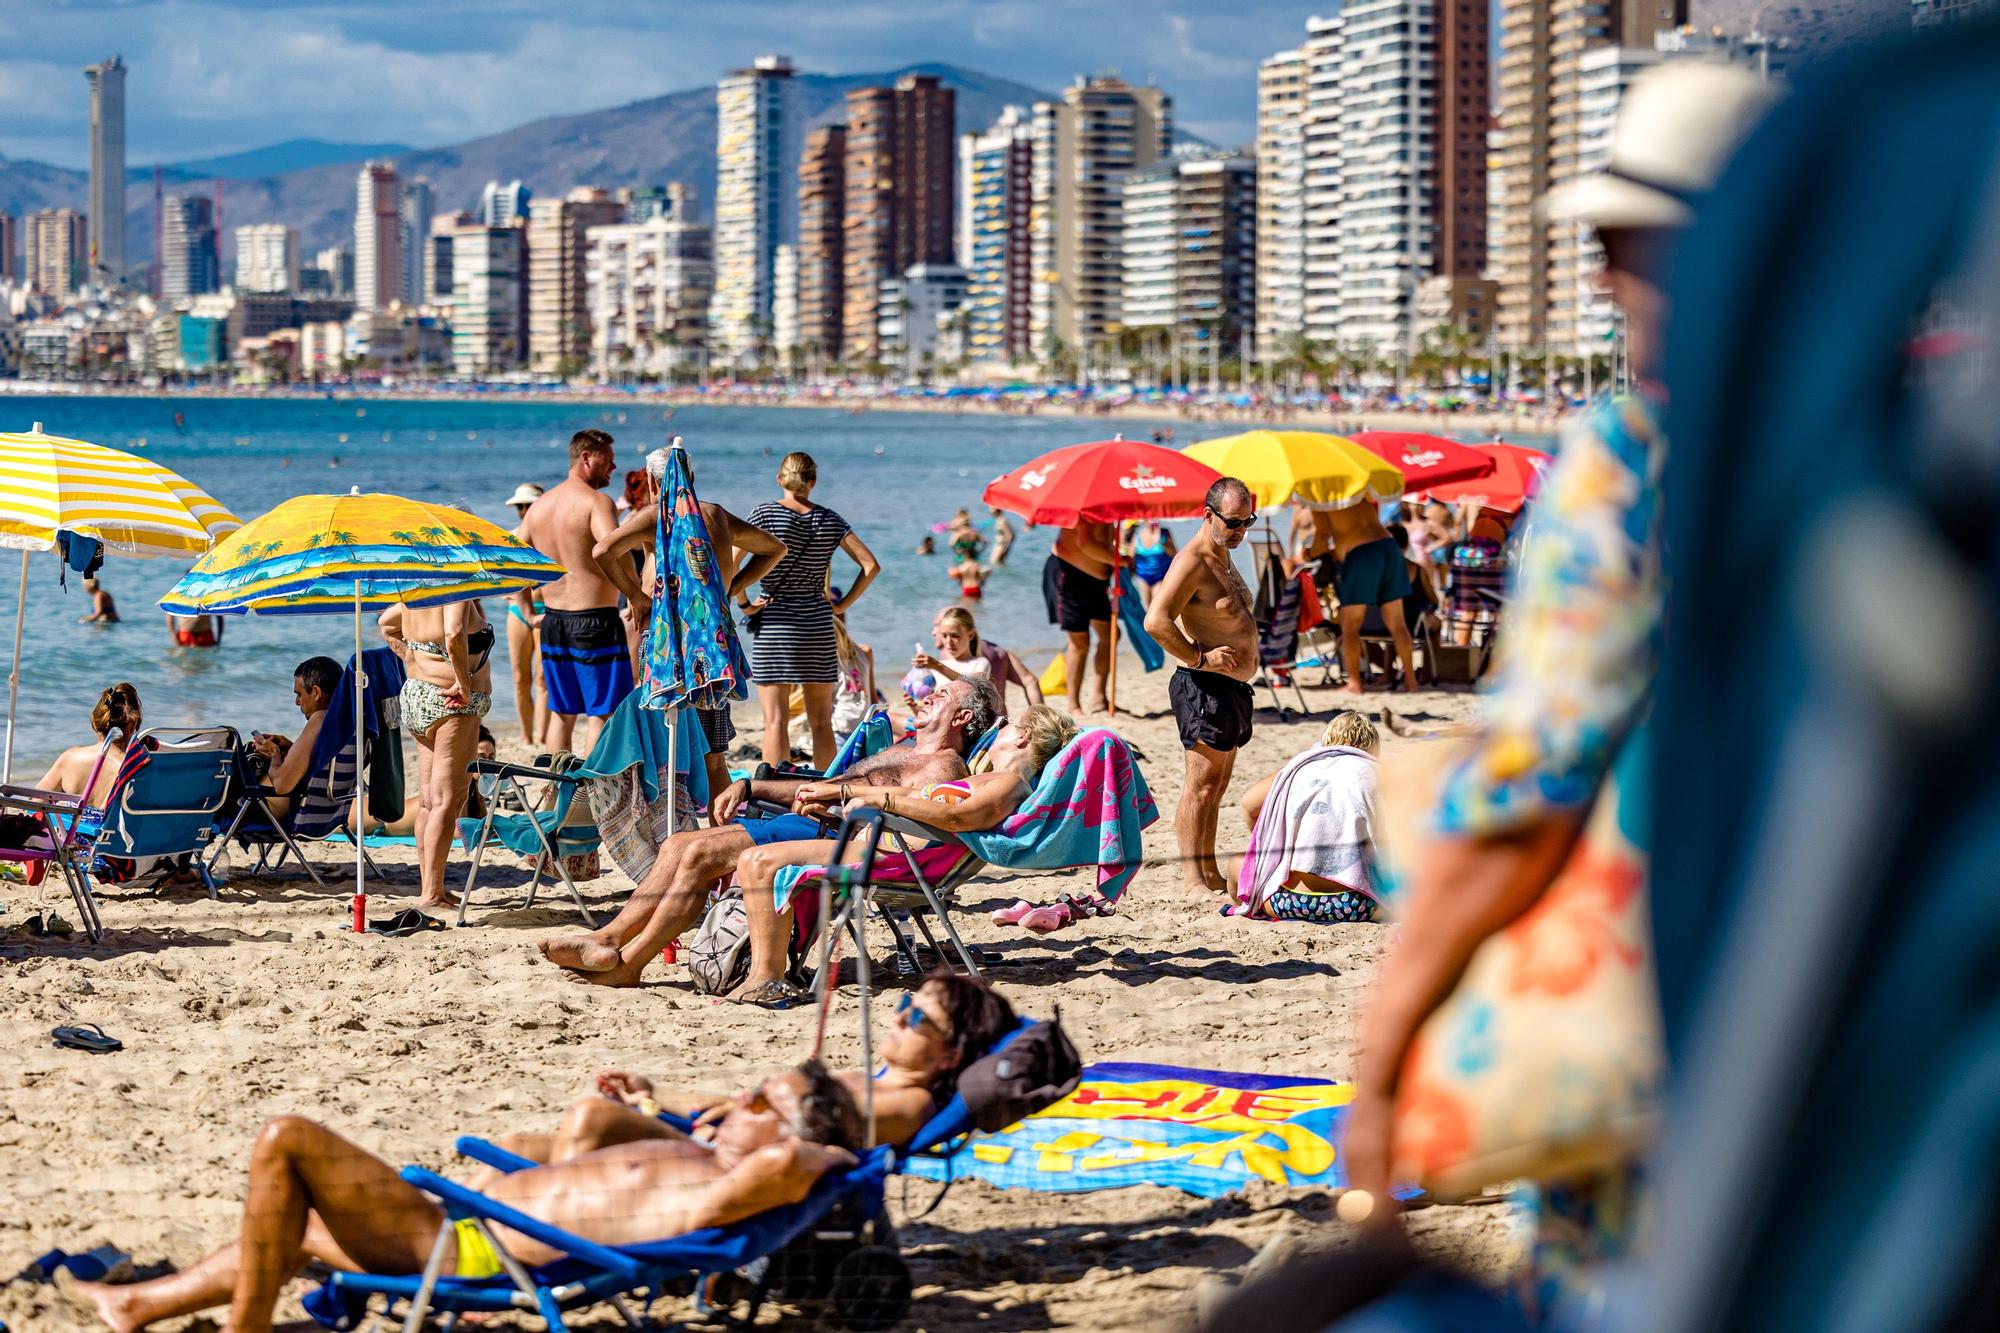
(405, 923)
(89, 1037)
(775, 995)
(1011, 916)
(1084, 907)
(1045, 920)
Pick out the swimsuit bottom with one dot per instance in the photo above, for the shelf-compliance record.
(424, 706)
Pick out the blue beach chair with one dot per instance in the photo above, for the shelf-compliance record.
(168, 801)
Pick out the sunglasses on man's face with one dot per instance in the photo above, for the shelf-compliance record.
(1234, 524)
(915, 1019)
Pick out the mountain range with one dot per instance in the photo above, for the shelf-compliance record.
(310, 184)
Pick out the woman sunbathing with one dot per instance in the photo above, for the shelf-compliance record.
(1312, 851)
(940, 1028)
(981, 801)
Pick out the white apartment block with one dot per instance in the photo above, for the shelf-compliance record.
(1320, 181)
(1387, 213)
(758, 137)
(1281, 201)
(1190, 252)
(267, 258)
(489, 324)
(785, 299)
(649, 285)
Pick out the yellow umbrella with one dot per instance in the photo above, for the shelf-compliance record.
(1318, 470)
(51, 485)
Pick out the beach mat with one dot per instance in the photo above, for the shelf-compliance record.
(377, 839)
(1205, 1132)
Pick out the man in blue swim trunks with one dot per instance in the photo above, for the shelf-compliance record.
(671, 898)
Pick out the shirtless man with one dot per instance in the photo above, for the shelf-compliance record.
(1370, 573)
(1201, 615)
(732, 539)
(670, 899)
(1076, 584)
(586, 670)
(315, 1196)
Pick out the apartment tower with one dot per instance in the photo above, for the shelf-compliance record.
(55, 251)
(995, 246)
(189, 265)
(489, 326)
(267, 258)
(1281, 214)
(757, 141)
(558, 291)
(1084, 146)
(378, 237)
(901, 159)
(821, 250)
(1190, 255)
(105, 205)
(648, 292)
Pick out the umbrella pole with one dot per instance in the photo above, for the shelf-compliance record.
(673, 769)
(1111, 678)
(14, 675)
(360, 773)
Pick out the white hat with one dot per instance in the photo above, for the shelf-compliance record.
(525, 494)
(1677, 126)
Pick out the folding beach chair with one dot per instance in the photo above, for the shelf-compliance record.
(324, 800)
(168, 801)
(43, 829)
(1278, 604)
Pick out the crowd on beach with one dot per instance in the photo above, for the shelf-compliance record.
(1530, 950)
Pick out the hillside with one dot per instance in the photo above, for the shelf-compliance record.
(661, 139)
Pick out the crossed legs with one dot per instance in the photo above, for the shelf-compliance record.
(667, 903)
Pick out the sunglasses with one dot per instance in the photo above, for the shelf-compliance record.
(916, 1019)
(1234, 524)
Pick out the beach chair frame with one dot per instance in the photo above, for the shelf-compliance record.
(565, 786)
(71, 834)
(177, 740)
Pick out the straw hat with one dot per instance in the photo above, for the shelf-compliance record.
(1676, 128)
(525, 494)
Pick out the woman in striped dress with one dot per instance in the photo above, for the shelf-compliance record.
(795, 642)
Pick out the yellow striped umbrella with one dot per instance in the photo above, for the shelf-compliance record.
(51, 485)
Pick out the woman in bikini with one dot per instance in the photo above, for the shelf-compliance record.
(447, 651)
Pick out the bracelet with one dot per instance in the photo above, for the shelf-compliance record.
(843, 793)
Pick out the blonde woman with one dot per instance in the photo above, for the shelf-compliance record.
(1311, 855)
(793, 618)
(961, 652)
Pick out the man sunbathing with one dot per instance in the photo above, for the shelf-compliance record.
(982, 801)
(940, 1028)
(670, 899)
(314, 1195)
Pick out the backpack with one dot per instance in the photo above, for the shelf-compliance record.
(719, 957)
(1033, 1072)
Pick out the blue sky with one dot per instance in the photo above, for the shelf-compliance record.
(215, 76)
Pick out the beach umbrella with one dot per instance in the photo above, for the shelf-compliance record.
(1317, 470)
(1517, 473)
(1106, 481)
(51, 486)
(336, 554)
(1426, 460)
(693, 656)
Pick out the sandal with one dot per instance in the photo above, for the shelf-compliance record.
(1011, 916)
(405, 923)
(89, 1037)
(775, 995)
(1083, 908)
(1045, 920)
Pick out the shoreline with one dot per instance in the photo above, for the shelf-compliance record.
(1481, 423)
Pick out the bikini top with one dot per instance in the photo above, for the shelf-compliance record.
(478, 645)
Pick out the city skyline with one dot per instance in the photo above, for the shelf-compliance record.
(368, 72)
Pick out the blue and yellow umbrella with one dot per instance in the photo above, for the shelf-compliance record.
(332, 554)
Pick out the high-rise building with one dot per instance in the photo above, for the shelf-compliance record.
(1281, 202)
(500, 204)
(437, 256)
(914, 307)
(648, 291)
(1084, 146)
(378, 237)
(996, 247)
(56, 247)
(1320, 181)
(10, 248)
(900, 166)
(413, 212)
(189, 265)
(337, 263)
(1190, 254)
(643, 203)
(785, 301)
(267, 258)
(105, 206)
(757, 140)
(822, 242)
(1539, 144)
(558, 292)
(489, 306)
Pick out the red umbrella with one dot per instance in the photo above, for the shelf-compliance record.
(1108, 481)
(1425, 460)
(1517, 473)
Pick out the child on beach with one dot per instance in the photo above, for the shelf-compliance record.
(970, 576)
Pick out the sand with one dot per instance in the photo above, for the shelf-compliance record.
(262, 1004)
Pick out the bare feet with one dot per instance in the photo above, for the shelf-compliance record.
(579, 953)
(622, 974)
(111, 1304)
(1354, 687)
(442, 902)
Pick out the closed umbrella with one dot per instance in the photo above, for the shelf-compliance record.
(327, 554)
(50, 486)
(1108, 481)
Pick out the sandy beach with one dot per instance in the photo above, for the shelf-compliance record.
(262, 1004)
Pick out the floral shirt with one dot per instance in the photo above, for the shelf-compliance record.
(1581, 633)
